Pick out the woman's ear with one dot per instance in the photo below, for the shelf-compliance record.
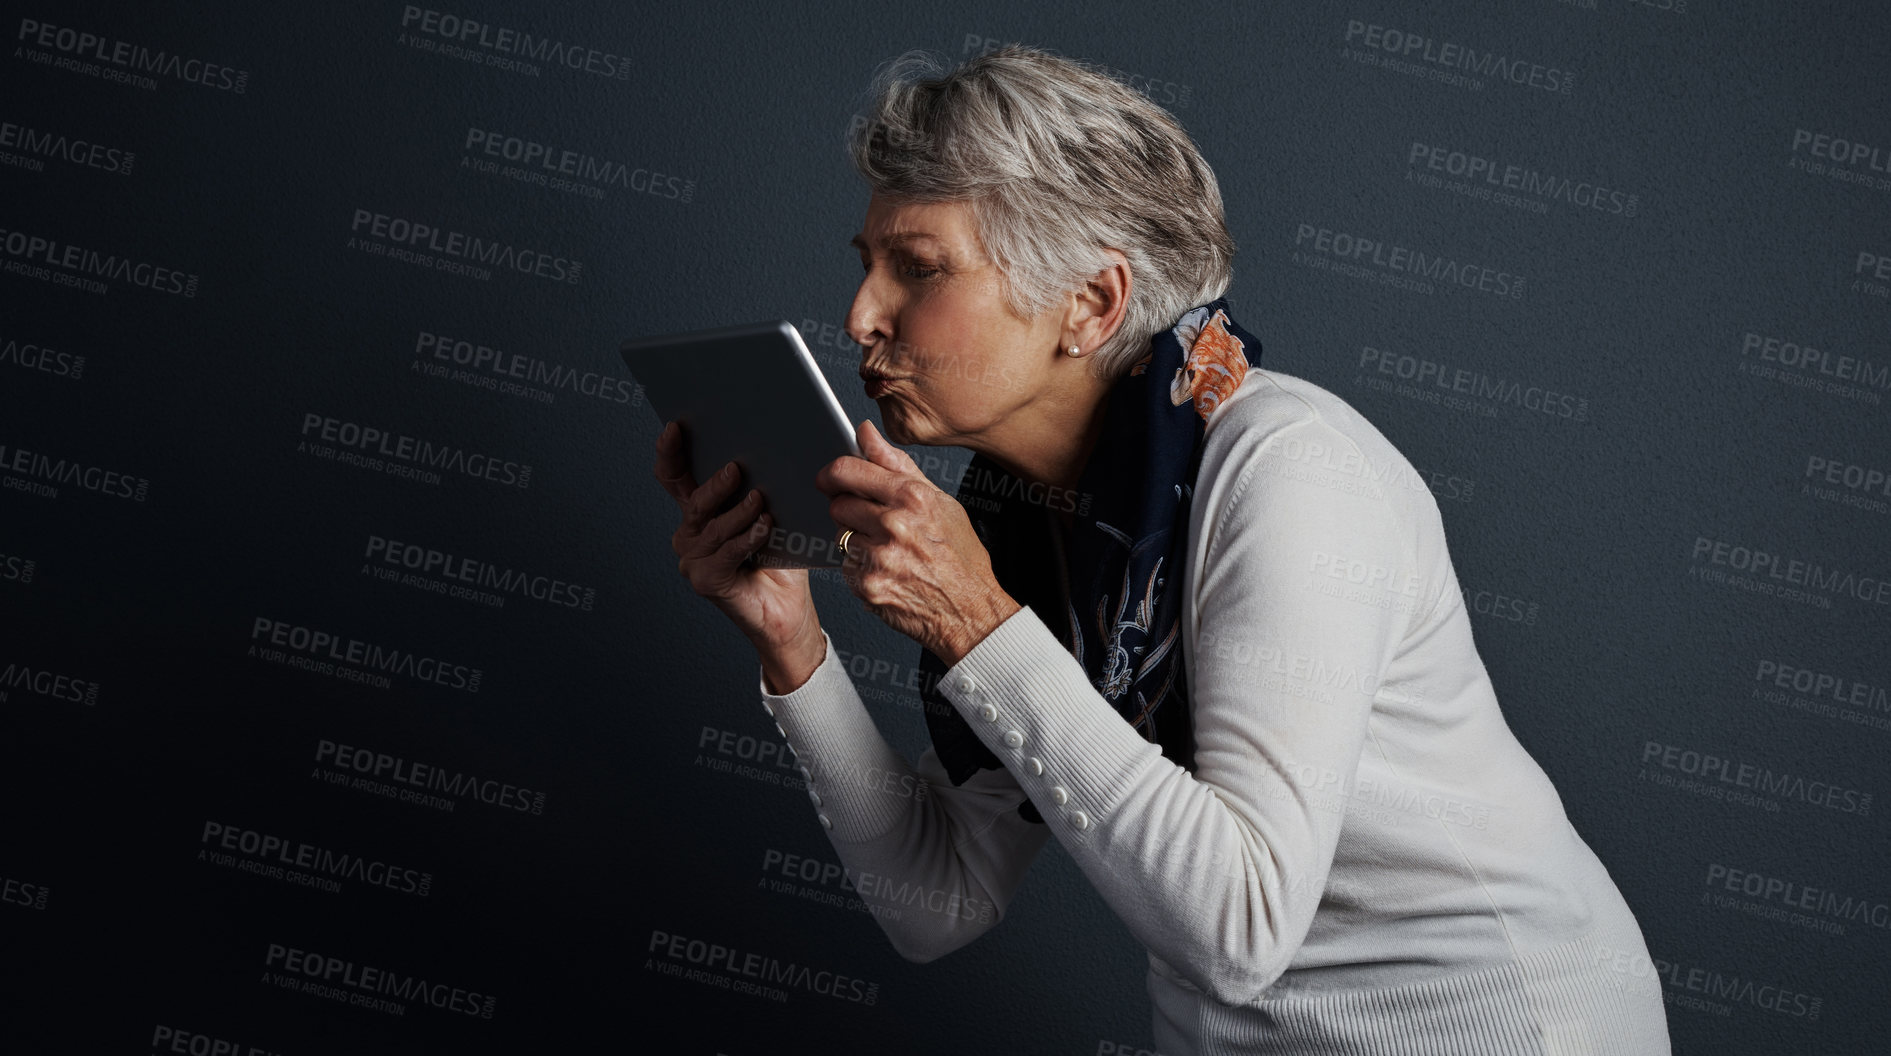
(1100, 308)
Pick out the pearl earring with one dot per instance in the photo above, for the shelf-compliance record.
(1073, 350)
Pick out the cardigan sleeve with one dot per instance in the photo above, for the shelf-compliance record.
(937, 862)
(1303, 594)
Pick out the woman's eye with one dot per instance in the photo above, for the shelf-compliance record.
(915, 271)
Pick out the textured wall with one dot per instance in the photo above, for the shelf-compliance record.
(1654, 420)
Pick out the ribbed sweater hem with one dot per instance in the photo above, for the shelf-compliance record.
(1569, 999)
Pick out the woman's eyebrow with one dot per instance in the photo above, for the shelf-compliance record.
(889, 241)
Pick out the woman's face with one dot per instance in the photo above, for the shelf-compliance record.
(944, 357)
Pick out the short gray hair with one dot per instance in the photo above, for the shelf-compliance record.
(1058, 161)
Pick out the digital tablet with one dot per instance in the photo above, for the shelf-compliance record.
(753, 394)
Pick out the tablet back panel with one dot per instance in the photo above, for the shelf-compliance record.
(752, 393)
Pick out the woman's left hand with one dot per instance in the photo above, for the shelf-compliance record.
(913, 559)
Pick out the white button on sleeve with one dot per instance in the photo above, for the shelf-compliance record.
(1037, 765)
(824, 822)
(1059, 796)
(1013, 738)
(769, 708)
(967, 684)
(988, 713)
(1080, 820)
(815, 796)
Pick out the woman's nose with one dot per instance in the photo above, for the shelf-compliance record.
(864, 317)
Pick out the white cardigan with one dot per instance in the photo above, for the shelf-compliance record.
(1364, 860)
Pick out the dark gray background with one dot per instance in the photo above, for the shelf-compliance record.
(1591, 521)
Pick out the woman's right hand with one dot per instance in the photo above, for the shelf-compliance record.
(772, 607)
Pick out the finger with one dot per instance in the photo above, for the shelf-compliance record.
(881, 452)
(864, 517)
(712, 574)
(869, 480)
(703, 503)
(721, 529)
(717, 568)
(730, 555)
(673, 461)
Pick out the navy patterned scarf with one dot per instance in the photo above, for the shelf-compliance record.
(1124, 559)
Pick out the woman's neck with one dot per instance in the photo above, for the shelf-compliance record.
(1051, 448)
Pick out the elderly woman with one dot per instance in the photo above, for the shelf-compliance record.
(1193, 619)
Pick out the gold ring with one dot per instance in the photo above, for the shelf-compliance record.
(841, 543)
